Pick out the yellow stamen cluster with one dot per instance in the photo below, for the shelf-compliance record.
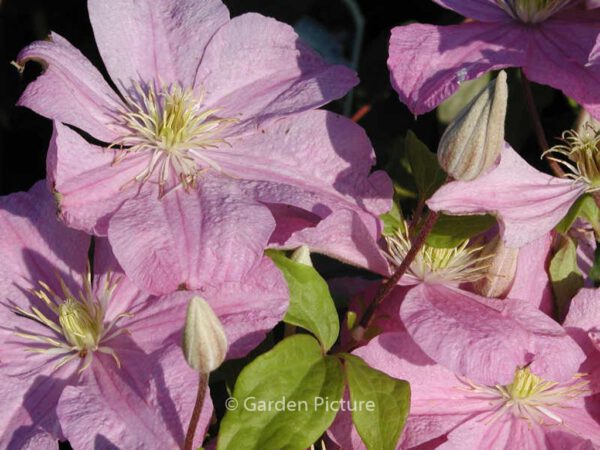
(171, 125)
(77, 322)
(582, 152)
(532, 11)
(464, 263)
(530, 397)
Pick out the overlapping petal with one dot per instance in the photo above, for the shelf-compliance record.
(482, 10)
(281, 75)
(427, 63)
(527, 203)
(190, 239)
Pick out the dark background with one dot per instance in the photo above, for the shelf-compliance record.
(328, 26)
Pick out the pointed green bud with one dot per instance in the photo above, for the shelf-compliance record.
(302, 255)
(204, 340)
(473, 141)
(501, 269)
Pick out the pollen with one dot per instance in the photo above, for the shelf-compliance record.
(463, 263)
(579, 154)
(532, 11)
(77, 324)
(171, 126)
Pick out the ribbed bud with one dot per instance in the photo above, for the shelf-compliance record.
(473, 141)
(501, 270)
(302, 255)
(204, 340)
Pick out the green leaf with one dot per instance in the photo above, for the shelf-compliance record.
(450, 231)
(426, 170)
(311, 305)
(380, 425)
(448, 110)
(280, 398)
(392, 220)
(586, 208)
(565, 275)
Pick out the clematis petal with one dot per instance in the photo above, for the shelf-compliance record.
(36, 246)
(161, 41)
(88, 187)
(527, 203)
(248, 309)
(281, 75)
(71, 90)
(531, 283)
(461, 332)
(584, 317)
(559, 57)
(145, 404)
(189, 239)
(342, 236)
(315, 151)
(481, 10)
(427, 63)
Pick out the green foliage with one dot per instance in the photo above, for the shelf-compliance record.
(311, 305)
(294, 372)
(379, 426)
(450, 231)
(392, 220)
(564, 274)
(427, 173)
(586, 208)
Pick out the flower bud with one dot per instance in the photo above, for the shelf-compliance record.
(473, 141)
(204, 340)
(500, 273)
(302, 255)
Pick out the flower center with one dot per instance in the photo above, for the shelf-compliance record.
(530, 397)
(77, 323)
(174, 129)
(532, 11)
(463, 263)
(582, 153)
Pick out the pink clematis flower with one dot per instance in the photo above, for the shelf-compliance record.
(551, 40)
(450, 411)
(481, 338)
(89, 357)
(201, 94)
(526, 202)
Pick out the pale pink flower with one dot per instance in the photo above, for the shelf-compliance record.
(551, 41)
(89, 357)
(450, 411)
(526, 202)
(200, 94)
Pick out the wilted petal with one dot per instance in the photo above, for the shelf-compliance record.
(527, 203)
(281, 75)
(428, 63)
(71, 90)
(160, 40)
(88, 187)
(189, 239)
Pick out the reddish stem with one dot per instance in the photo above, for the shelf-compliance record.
(189, 437)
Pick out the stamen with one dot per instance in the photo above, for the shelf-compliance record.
(529, 397)
(582, 149)
(532, 11)
(463, 263)
(77, 321)
(170, 124)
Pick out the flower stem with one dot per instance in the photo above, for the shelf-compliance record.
(388, 285)
(537, 124)
(189, 437)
